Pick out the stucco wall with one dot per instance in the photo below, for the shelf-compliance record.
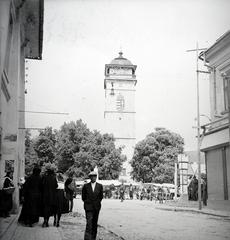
(11, 119)
(215, 175)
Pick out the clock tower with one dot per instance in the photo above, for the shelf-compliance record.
(119, 84)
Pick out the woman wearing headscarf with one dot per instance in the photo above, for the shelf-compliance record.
(49, 186)
(32, 199)
(7, 194)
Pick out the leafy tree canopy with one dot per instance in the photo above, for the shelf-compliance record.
(76, 150)
(154, 157)
(44, 146)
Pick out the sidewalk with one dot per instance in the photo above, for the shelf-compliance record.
(72, 227)
(10, 229)
(214, 208)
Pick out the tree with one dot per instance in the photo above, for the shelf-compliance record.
(99, 150)
(69, 140)
(154, 157)
(31, 157)
(79, 150)
(44, 146)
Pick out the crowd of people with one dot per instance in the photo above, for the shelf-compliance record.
(41, 195)
(45, 196)
(131, 192)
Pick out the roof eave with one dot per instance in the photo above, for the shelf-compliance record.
(34, 15)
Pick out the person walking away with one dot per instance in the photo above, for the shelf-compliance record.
(61, 202)
(69, 190)
(49, 186)
(131, 191)
(204, 191)
(195, 189)
(7, 194)
(190, 188)
(122, 192)
(31, 207)
(92, 195)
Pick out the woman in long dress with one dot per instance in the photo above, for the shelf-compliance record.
(31, 207)
(61, 203)
(49, 186)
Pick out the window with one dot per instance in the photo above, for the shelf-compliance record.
(225, 81)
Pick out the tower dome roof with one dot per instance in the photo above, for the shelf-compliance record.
(121, 60)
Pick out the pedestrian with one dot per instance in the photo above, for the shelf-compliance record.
(143, 193)
(31, 206)
(122, 192)
(49, 186)
(92, 194)
(195, 189)
(190, 188)
(69, 191)
(131, 191)
(204, 194)
(7, 194)
(61, 202)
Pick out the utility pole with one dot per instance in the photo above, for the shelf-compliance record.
(198, 126)
(198, 119)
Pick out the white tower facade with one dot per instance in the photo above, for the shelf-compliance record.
(119, 84)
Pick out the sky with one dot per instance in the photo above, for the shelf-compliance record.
(81, 36)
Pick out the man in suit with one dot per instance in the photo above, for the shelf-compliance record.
(92, 194)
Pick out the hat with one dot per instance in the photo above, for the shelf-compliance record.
(93, 173)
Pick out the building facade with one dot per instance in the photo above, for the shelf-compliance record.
(21, 33)
(215, 143)
(119, 84)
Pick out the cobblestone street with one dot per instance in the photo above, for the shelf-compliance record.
(141, 220)
(129, 220)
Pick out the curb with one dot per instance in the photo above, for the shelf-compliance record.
(176, 209)
(13, 220)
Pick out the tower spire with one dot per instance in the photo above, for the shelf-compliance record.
(120, 52)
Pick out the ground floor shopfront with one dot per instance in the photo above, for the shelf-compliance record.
(217, 156)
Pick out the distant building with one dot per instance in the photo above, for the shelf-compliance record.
(119, 84)
(21, 33)
(215, 143)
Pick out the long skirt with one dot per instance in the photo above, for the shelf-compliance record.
(61, 203)
(31, 209)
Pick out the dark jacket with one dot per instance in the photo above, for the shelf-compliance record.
(92, 200)
(49, 186)
(32, 194)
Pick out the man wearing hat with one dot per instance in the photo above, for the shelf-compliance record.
(92, 194)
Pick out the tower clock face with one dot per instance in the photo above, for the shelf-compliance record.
(120, 103)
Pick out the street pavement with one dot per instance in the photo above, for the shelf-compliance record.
(143, 220)
(72, 227)
(128, 220)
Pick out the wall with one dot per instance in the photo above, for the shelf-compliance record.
(215, 175)
(12, 149)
